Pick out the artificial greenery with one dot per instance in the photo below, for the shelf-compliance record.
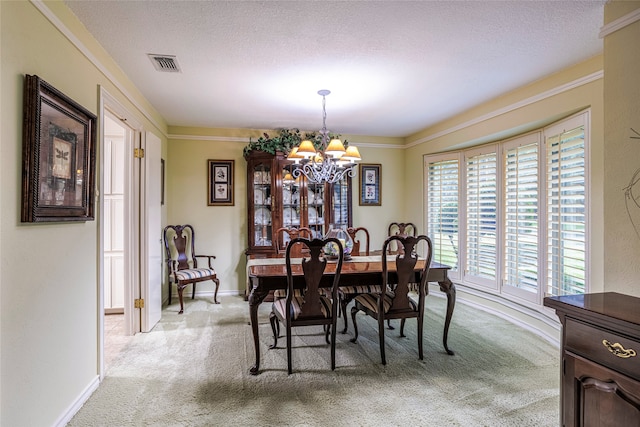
(284, 142)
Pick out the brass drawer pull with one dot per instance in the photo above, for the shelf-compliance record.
(618, 350)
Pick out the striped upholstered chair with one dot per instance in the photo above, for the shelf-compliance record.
(395, 302)
(182, 264)
(311, 306)
(346, 294)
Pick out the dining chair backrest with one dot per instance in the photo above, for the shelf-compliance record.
(405, 265)
(313, 268)
(290, 233)
(401, 229)
(358, 247)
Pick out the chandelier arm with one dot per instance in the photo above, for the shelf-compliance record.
(326, 170)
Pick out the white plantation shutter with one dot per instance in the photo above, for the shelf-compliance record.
(521, 216)
(566, 208)
(442, 210)
(511, 216)
(481, 197)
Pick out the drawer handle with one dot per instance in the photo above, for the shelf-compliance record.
(618, 350)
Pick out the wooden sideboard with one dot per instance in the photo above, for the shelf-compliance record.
(600, 369)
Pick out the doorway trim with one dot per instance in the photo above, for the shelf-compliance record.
(131, 316)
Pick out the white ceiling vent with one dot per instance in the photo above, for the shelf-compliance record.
(165, 63)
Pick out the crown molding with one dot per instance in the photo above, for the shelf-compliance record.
(619, 23)
(528, 101)
(208, 138)
(42, 7)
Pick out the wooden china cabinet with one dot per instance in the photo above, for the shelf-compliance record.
(274, 202)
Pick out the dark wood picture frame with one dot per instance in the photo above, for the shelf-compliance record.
(58, 156)
(370, 189)
(161, 182)
(220, 183)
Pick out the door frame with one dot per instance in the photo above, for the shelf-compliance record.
(132, 211)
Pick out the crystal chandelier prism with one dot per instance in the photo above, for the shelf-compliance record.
(331, 162)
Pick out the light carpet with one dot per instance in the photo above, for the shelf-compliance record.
(193, 370)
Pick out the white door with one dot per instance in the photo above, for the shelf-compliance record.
(113, 190)
(151, 253)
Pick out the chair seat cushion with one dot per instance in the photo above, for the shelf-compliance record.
(281, 293)
(370, 301)
(194, 273)
(280, 306)
(359, 289)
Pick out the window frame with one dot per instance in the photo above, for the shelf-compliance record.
(521, 296)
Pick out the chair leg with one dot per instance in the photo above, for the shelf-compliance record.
(180, 290)
(289, 365)
(381, 338)
(275, 327)
(420, 328)
(193, 290)
(344, 301)
(326, 335)
(354, 311)
(215, 294)
(402, 327)
(333, 344)
(169, 283)
(389, 324)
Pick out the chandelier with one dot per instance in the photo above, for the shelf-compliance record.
(331, 162)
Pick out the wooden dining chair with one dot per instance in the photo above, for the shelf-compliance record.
(296, 250)
(358, 247)
(347, 293)
(292, 233)
(400, 229)
(395, 302)
(182, 262)
(311, 306)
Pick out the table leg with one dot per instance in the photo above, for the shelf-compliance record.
(255, 299)
(449, 288)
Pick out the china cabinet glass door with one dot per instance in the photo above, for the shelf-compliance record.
(262, 205)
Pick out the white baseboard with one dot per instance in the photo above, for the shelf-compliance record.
(532, 320)
(64, 419)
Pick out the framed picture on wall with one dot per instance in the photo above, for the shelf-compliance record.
(220, 182)
(58, 156)
(370, 184)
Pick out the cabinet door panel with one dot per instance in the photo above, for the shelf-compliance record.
(602, 397)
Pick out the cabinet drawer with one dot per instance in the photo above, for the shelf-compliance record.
(595, 343)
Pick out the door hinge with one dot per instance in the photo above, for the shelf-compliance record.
(138, 303)
(138, 153)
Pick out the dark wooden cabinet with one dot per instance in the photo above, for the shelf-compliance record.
(275, 202)
(600, 370)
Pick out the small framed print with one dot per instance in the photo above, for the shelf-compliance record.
(220, 182)
(370, 185)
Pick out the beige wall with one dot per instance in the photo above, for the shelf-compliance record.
(622, 153)
(527, 108)
(48, 274)
(222, 230)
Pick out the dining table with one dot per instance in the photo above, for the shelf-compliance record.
(266, 274)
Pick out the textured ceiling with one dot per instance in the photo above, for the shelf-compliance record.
(393, 67)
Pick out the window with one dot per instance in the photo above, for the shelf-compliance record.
(481, 199)
(516, 212)
(521, 216)
(566, 213)
(442, 210)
